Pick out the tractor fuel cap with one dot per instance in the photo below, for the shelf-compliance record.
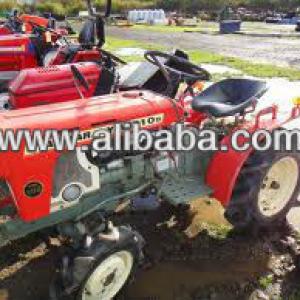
(133, 95)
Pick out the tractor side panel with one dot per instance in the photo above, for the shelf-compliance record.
(31, 183)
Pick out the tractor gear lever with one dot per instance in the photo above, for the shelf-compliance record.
(79, 79)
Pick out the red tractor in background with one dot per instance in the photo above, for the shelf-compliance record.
(77, 191)
(45, 46)
(22, 23)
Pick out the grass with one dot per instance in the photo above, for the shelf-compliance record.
(197, 56)
(266, 281)
(249, 68)
(162, 28)
(217, 231)
(114, 44)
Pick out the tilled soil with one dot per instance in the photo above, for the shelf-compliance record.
(278, 51)
(183, 260)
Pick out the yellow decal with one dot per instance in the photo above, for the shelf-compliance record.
(296, 101)
(48, 37)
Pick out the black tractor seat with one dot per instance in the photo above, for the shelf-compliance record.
(229, 97)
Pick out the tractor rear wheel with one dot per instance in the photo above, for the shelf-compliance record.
(267, 188)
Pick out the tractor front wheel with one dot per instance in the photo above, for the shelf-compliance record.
(100, 269)
(108, 276)
(267, 188)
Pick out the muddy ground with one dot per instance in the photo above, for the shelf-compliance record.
(278, 51)
(183, 261)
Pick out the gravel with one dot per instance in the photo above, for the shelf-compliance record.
(278, 51)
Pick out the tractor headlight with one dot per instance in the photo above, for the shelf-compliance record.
(72, 192)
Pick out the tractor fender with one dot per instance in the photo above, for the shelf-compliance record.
(225, 166)
(223, 171)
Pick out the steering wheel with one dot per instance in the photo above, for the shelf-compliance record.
(192, 72)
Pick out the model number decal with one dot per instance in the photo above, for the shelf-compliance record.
(144, 122)
(149, 121)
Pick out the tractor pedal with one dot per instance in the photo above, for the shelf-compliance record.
(184, 190)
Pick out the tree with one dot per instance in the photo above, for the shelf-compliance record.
(89, 7)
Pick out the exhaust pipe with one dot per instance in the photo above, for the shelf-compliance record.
(107, 8)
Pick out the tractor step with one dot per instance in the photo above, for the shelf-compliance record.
(178, 190)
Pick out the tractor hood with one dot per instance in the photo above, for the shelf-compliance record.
(85, 113)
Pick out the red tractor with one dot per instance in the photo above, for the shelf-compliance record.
(44, 46)
(22, 24)
(77, 191)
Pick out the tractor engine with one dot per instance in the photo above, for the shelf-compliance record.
(117, 176)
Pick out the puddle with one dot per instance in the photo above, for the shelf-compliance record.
(188, 268)
(180, 280)
(130, 52)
